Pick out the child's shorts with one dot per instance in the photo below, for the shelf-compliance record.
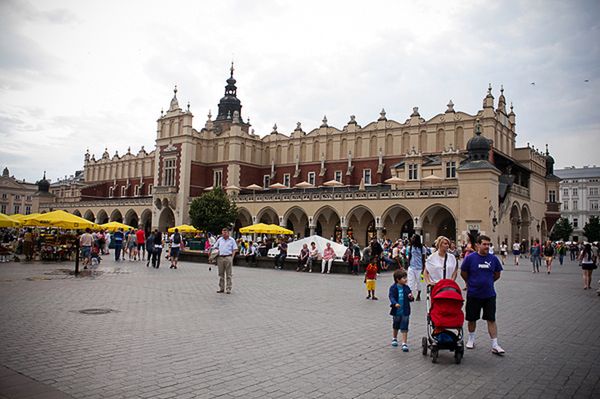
(371, 285)
(401, 323)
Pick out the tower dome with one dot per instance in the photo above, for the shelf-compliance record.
(43, 185)
(229, 104)
(478, 146)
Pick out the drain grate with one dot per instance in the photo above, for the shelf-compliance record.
(97, 311)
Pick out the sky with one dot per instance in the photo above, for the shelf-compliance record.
(78, 75)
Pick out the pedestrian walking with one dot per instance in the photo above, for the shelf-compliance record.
(440, 264)
(226, 248)
(400, 297)
(131, 245)
(536, 255)
(150, 248)
(588, 258)
(158, 247)
(176, 242)
(371, 278)
(503, 251)
(140, 237)
(548, 255)
(480, 270)
(516, 247)
(416, 264)
(85, 242)
(118, 239)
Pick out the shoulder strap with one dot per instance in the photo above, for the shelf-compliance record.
(445, 259)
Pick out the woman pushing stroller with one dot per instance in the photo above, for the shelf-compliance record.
(444, 303)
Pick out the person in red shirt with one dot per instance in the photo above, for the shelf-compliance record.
(140, 237)
(371, 277)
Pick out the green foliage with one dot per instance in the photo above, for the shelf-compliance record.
(562, 230)
(592, 229)
(213, 211)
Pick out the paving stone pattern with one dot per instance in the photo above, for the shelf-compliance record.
(280, 334)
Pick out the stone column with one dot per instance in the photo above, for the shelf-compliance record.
(312, 229)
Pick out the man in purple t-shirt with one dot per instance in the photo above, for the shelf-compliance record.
(480, 270)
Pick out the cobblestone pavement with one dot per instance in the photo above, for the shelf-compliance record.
(280, 334)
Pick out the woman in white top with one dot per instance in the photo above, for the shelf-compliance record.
(434, 266)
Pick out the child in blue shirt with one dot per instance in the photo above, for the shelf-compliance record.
(400, 297)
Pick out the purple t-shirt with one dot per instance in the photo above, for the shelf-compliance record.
(481, 269)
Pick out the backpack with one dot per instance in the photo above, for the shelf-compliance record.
(177, 238)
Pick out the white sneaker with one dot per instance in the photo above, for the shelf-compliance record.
(470, 343)
(497, 350)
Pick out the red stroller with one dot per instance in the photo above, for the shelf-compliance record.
(444, 316)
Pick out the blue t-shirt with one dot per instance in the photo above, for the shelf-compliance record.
(401, 309)
(481, 269)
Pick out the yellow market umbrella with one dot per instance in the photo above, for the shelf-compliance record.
(7, 221)
(114, 226)
(24, 218)
(262, 228)
(280, 230)
(184, 228)
(61, 220)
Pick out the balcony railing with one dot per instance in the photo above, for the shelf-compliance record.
(553, 207)
(164, 190)
(524, 191)
(348, 194)
(128, 201)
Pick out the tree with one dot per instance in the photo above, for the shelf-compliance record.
(213, 211)
(592, 229)
(562, 230)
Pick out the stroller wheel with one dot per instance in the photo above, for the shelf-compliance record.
(434, 355)
(424, 344)
(458, 355)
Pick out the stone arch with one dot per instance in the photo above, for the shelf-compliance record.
(438, 220)
(132, 219)
(102, 217)
(166, 220)
(146, 220)
(77, 213)
(116, 216)
(243, 219)
(526, 223)
(397, 222)
(267, 215)
(296, 220)
(515, 221)
(361, 224)
(89, 215)
(327, 222)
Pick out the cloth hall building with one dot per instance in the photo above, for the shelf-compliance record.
(453, 173)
